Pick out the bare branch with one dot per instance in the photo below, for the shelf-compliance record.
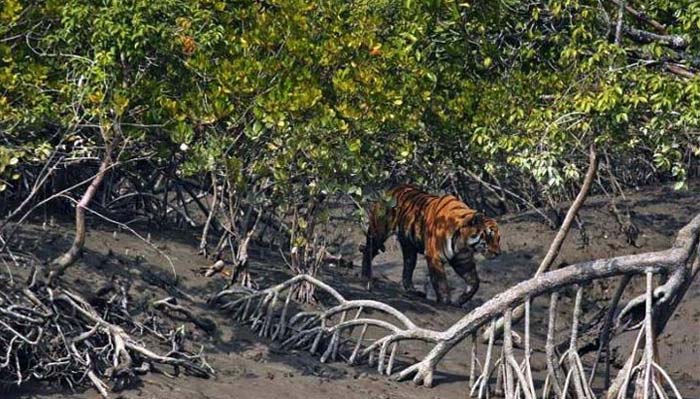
(642, 36)
(556, 244)
(660, 28)
(620, 18)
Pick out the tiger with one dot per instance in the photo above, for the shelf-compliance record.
(442, 228)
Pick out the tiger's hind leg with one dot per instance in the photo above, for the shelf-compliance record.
(369, 251)
(467, 271)
(438, 278)
(410, 257)
(379, 229)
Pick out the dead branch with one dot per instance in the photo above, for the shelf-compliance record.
(61, 337)
(556, 244)
(642, 36)
(681, 70)
(660, 28)
(620, 19)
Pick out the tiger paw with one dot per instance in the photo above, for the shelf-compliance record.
(461, 300)
(444, 300)
(415, 293)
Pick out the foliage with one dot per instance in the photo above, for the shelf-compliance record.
(341, 97)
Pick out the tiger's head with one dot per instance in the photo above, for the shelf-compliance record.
(480, 233)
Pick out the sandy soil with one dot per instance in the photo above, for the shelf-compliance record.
(248, 367)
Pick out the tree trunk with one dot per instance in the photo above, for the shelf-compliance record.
(61, 263)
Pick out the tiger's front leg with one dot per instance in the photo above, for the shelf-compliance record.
(410, 257)
(438, 278)
(466, 269)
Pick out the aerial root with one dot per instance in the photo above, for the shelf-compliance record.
(338, 331)
(375, 330)
(650, 378)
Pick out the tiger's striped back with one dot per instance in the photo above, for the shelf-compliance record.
(410, 213)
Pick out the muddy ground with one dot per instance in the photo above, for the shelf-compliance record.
(248, 367)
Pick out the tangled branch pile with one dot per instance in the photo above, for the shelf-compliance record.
(53, 334)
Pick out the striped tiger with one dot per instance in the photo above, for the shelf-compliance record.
(443, 228)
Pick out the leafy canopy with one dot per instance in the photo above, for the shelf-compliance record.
(334, 95)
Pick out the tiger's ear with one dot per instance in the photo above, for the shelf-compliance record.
(476, 220)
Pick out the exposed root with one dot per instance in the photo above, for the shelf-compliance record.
(651, 379)
(338, 328)
(325, 332)
(171, 304)
(422, 372)
(53, 334)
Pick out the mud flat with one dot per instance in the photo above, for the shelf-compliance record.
(248, 367)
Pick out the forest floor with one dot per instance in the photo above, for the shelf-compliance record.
(250, 367)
